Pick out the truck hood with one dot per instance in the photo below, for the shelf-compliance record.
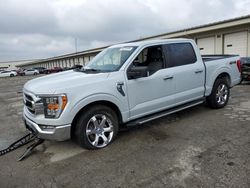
(62, 82)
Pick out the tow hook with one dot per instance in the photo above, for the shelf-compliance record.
(31, 137)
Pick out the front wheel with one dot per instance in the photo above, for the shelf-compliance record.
(97, 127)
(220, 94)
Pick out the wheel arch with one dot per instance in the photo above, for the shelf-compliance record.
(214, 76)
(224, 75)
(212, 99)
(100, 102)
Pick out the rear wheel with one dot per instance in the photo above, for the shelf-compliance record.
(220, 94)
(11, 75)
(35, 73)
(97, 127)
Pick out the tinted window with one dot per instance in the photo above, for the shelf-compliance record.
(150, 57)
(180, 54)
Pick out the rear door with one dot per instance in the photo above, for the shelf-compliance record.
(189, 71)
(5, 73)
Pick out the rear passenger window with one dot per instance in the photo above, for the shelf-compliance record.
(180, 54)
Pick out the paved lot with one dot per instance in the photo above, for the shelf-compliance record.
(198, 147)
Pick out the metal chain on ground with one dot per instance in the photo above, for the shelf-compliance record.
(21, 142)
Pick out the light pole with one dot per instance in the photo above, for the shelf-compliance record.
(76, 44)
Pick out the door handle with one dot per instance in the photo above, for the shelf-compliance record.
(198, 71)
(168, 77)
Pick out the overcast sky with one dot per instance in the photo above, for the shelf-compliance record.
(46, 28)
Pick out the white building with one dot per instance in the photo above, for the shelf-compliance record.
(224, 37)
(13, 65)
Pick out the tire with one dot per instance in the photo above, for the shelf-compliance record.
(35, 73)
(11, 75)
(96, 127)
(220, 94)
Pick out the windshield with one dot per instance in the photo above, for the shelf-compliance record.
(110, 59)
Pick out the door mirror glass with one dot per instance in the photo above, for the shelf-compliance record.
(137, 72)
(148, 61)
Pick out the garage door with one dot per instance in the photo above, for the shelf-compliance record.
(206, 45)
(236, 43)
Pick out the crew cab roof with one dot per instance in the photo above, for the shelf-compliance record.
(151, 42)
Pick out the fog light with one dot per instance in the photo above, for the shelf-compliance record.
(46, 127)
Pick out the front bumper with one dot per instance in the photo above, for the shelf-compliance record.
(58, 133)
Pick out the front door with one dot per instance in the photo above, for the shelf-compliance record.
(155, 91)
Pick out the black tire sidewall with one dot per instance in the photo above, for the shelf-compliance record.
(212, 98)
(80, 131)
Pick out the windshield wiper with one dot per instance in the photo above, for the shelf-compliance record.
(77, 69)
(90, 70)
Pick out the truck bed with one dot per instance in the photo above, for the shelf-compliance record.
(206, 58)
(222, 63)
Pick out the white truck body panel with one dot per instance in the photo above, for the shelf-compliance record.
(166, 88)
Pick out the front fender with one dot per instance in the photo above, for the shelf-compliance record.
(123, 108)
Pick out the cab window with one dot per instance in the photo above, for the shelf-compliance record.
(151, 58)
(179, 54)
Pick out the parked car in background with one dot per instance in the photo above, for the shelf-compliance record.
(245, 68)
(31, 72)
(41, 70)
(8, 73)
(53, 70)
(20, 72)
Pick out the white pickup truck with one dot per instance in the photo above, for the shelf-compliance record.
(126, 84)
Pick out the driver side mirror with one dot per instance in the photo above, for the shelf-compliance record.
(137, 72)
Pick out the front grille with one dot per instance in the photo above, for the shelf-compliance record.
(29, 103)
(33, 104)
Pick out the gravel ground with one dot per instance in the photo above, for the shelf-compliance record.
(198, 147)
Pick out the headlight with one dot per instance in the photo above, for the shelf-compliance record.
(54, 105)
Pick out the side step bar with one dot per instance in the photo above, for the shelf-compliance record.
(164, 113)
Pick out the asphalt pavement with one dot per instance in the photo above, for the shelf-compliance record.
(198, 147)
